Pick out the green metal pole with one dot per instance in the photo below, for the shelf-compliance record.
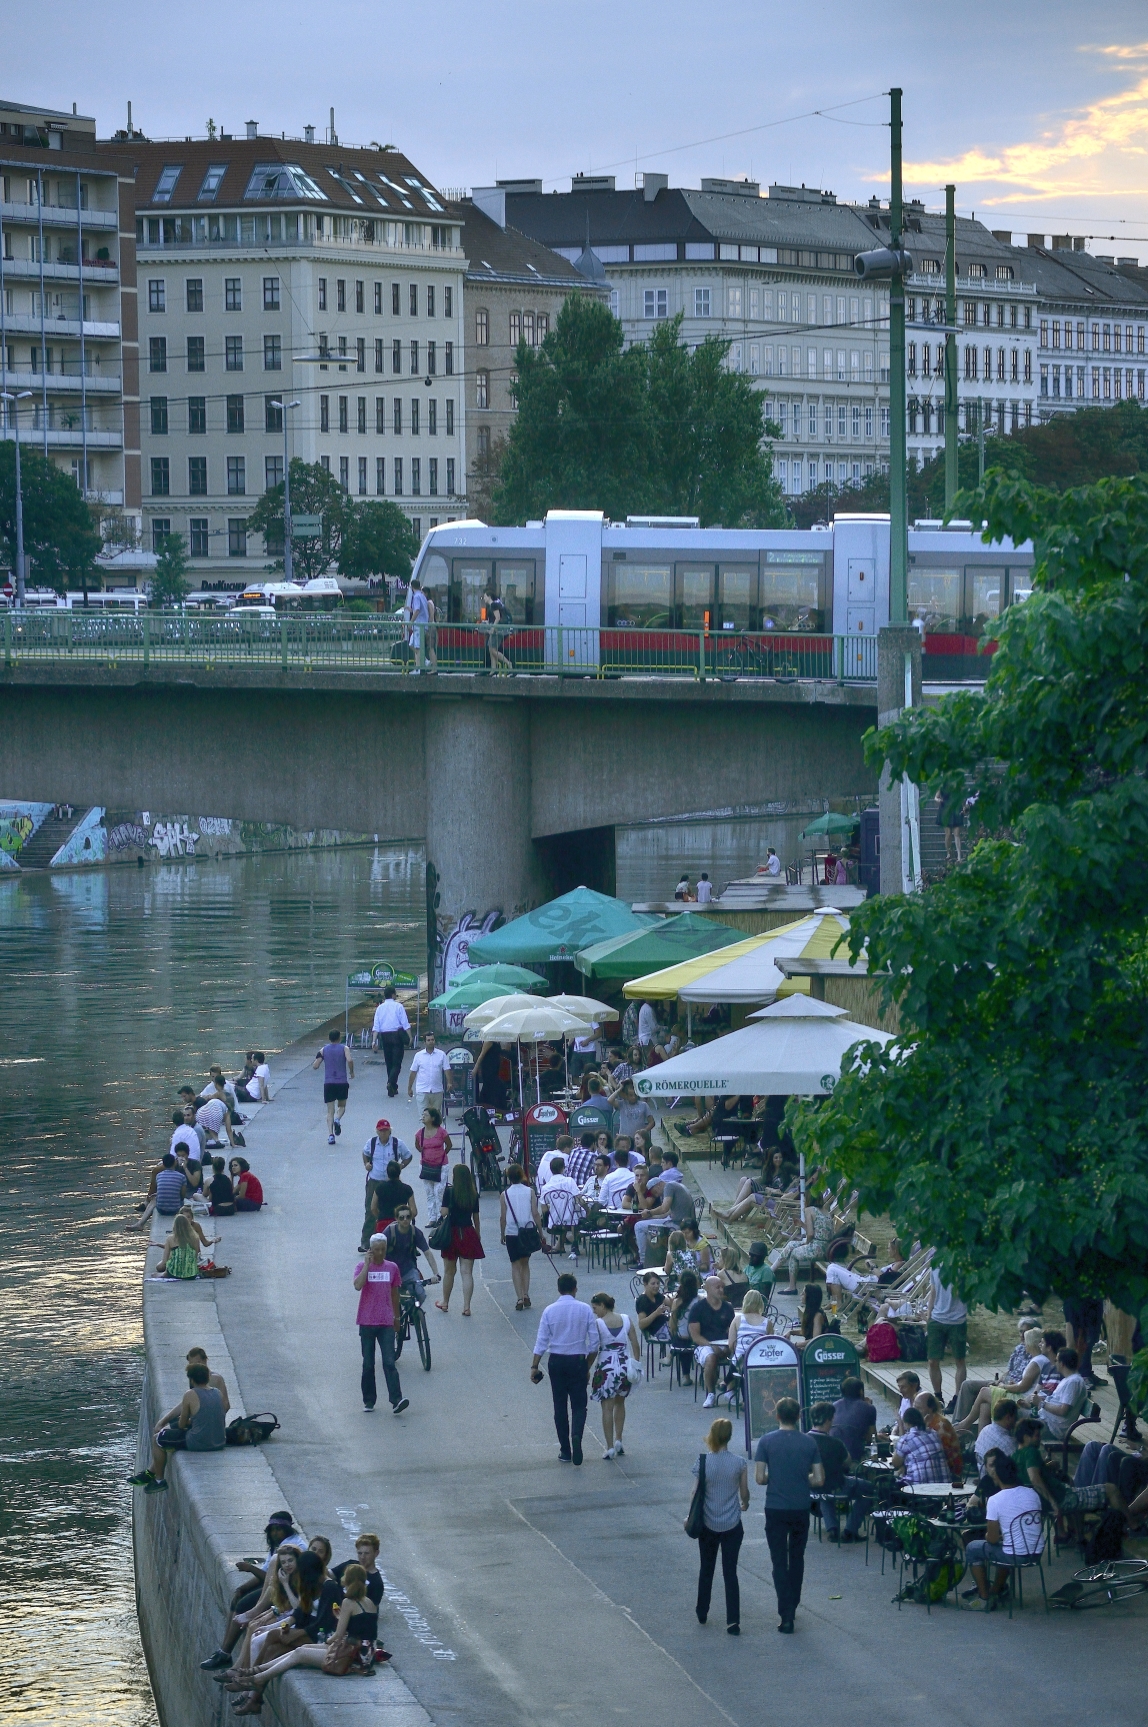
(898, 503)
(951, 409)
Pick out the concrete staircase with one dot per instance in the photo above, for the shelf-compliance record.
(47, 840)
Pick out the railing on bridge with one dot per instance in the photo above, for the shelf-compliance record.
(349, 642)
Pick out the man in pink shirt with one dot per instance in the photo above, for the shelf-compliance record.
(377, 1279)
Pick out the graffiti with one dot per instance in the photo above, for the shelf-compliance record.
(86, 844)
(453, 958)
(214, 825)
(173, 839)
(127, 836)
(15, 832)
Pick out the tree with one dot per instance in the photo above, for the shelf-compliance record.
(378, 540)
(169, 582)
(59, 538)
(1010, 1128)
(313, 493)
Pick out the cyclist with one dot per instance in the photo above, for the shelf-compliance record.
(404, 1244)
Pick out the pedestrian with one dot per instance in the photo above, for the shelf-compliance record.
(497, 619)
(434, 1146)
(427, 1076)
(386, 1200)
(946, 1326)
(378, 1279)
(382, 1149)
(519, 1228)
(726, 1497)
(568, 1334)
(418, 614)
(461, 1206)
(338, 1072)
(404, 1244)
(391, 1028)
(618, 1346)
(787, 1464)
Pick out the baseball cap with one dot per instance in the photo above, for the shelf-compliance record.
(382, 1126)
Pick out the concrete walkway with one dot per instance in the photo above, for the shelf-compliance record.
(525, 1591)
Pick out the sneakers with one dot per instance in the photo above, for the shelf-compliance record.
(619, 1450)
(608, 1456)
(154, 1486)
(403, 1403)
(218, 1659)
(330, 1139)
(573, 1256)
(710, 1400)
(338, 1125)
(142, 1479)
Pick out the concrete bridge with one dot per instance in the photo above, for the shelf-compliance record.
(514, 785)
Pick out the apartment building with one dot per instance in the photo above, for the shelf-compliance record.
(67, 302)
(513, 291)
(296, 299)
(1093, 326)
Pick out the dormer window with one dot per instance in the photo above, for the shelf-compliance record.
(165, 185)
(212, 181)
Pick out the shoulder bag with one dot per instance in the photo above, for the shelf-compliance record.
(528, 1236)
(442, 1233)
(696, 1519)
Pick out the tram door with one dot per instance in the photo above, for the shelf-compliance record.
(861, 616)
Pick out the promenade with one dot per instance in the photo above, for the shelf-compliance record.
(532, 1592)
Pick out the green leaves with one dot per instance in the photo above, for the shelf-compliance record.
(59, 538)
(169, 584)
(378, 540)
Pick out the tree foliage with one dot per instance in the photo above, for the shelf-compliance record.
(378, 540)
(314, 492)
(1011, 1127)
(59, 538)
(654, 428)
(169, 581)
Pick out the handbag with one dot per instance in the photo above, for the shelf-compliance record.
(251, 1429)
(341, 1655)
(696, 1517)
(528, 1236)
(440, 1236)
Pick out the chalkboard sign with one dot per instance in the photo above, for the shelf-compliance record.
(771, 1373)
(588, 1118)
(825, 1363)
(540, 1129)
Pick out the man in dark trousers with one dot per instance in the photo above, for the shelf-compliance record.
(391, 1027)
(787, 1464)
(568, 1332)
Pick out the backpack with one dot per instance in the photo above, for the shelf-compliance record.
(1107, 1541)
(251, 1429)
(882, 1343)
(912, 1342)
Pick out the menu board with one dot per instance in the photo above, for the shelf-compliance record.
(825, 1363)
(588, 1118)
(771, 1373)
(540, 1129)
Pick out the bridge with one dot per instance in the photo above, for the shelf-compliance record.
(513, 784)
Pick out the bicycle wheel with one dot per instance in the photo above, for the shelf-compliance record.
(422, 1334)
(1107, 1594)
(400, 1337)
(729, 665)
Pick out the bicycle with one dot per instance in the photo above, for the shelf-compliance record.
(412, 1318)
(1102, 1585)
(740, 657)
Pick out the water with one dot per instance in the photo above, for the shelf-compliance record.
(122, 986)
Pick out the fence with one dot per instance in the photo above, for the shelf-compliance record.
(379, 643)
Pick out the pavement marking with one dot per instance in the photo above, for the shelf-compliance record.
(620, 1608)
(417, 1623)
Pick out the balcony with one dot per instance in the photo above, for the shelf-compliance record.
(58, 216)
(56, 328)
(96, 271)
(98, 380)
(69, 437)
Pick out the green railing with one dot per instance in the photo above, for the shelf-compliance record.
(339, 641)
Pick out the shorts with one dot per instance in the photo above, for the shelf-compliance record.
(517, 1249)
(171, 1439)
(336, 1093)
(1093, 1498)
(955, 1336)
(703, 1352)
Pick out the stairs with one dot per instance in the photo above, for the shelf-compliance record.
(47, 840)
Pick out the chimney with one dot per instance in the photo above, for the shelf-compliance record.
(1078, 244)
(74, 108)
(1037, 239)
(1003, 234)
(129, 119)
(1062, 242)
(652, 184)
(308, 134)
(253, 128)
(332, 136)
(491, 200)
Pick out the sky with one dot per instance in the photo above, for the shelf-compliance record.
(1036, 109)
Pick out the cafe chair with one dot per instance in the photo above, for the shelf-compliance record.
(1023, 1531)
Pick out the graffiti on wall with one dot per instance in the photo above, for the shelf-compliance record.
(18, 822)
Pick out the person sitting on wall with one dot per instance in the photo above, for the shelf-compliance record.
(195, 1424)
(279, 1526)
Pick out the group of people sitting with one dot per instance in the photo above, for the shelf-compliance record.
(636, 1188)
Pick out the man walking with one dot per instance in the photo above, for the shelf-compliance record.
(568, 1332)
(378, 1278)
(391, 1026)
(382, 1149)
(787, 1464)
(338, 1071)
(426, 1078)
(419, 615)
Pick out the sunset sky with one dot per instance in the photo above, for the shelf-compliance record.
(1037, 109)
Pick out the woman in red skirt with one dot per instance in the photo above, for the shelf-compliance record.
(460, 1204)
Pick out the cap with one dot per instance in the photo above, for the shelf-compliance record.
(382, 1126)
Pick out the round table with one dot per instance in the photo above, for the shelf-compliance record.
(936, 1490)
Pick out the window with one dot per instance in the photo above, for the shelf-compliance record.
(432, 476)
(270, 293)
(380, 414)
(911, 360)
(1116, 338)
(414, 359)
(416, 477)
(237, 536)
(528, 329)
(413, 299)
(430, 300)
(236, 476)
(448, 358)
(197, 413)
(324, 413)
(379, 354)
(160, 476)
(733, 302)
(322, 293)
(482, 389)
(212, 181)
(157, 354)
(856, 420)
(160, 529)
(361, 354)
(970, 365)
(165, 185)
(195, 359)
(398, 476)
(396, 303)
(197, 536)
(380, 475)
(359, 307)
(272, 414)
(194, 292)
(1055, 332)
(869, 422)
(1044, 380)
(515, 329)
(232, 294)
(450, 476)
(397, 416)
(813, 419)
(396, 356)
(543, 327)
(342, 413)
(197, 476)
(447, 303)
(432, 418)
(235, 413)
(272, 472)
(233, 352)
(362, 476)
(1014, 366)
(414, 416)
(325, 464)
(159, 416)
(157, 296)
(655, 303)
(450, 417)
(841, 413)
(345, 472)
(272, 353)
(432, 359)
(482, 329)
(340, 296)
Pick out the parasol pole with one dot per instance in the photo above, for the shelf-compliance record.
(801, 1181)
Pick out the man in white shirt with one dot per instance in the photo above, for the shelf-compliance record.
(591, 1188)
(838, 1274)
(184, 1139)
(647, 1025)
(1060, 1408)
(585, 1052)
(772, 862)
(619, 1180)
(559, 1198)
(258, 1087)
(426, 1077)
(568, 1333)
(215, 1078)
(997, 1436)
(390, 1027)
(419, 615)
(705, 889)
(1014, 1524)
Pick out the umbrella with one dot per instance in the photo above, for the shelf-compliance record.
(667, 984)
(642, 951)
(480, 1017)
(558, 930)
(585, 1007)
(537, 1023)
(794, 1048)
(755, 978)
(830, 823)
(472, 988)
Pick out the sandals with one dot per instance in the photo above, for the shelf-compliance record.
(466, 1313)
(441, 1308)
(526, 1301)
(518, 1306)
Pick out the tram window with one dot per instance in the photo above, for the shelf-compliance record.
(641, 596)
(515, 587)
(791, 591)
(984, 592)
(935, 599)
(737, 597)
(469, 581)
(435, 578)
(695, 596)
(1020, 584)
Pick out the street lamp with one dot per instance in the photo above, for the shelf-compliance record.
(283, 407)
(13, 398)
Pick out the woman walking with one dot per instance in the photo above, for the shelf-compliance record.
(726, 1497)
(433, 1144)
(610, 1385)
(519, 1227)
(460, 1204)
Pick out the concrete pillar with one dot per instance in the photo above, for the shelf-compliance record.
(481, 860)
(897, 646)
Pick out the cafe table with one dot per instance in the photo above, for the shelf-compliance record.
(937, 1490)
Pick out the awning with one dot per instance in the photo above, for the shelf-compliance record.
(795, 1048)
(753, 977)
(667, 984)
(559, 930)
(669, 942)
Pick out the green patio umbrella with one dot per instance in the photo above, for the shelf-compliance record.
(559, 930)
(484, 983)
(666, 943)
(830, 823)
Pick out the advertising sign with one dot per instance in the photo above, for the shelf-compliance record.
(540, 1129)
(587, 1118)
(771, 1373)
(825, 1364)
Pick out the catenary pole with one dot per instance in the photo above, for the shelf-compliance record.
(951, 410)
(898, 504)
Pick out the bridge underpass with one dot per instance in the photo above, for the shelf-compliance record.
(513, 787)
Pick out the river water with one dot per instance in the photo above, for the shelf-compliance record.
(123, 985)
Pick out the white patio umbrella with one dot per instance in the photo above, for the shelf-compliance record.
(584, 1007)
(538, 1022)
(753, 976)
(480, 1017)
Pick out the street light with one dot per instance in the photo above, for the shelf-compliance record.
(14, 397)
(283, 407)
